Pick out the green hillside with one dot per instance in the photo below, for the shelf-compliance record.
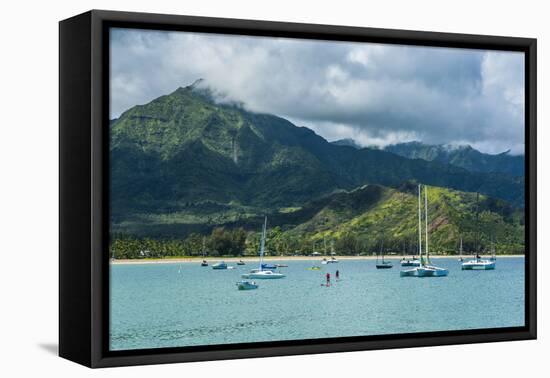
(393, 220)
(361, 222)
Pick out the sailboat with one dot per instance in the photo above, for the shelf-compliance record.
(479, 263)
(493, 251)
(332, 260)
(204, 262)
(460, 257)
(262, 272)
(383, 264)
(426, 268)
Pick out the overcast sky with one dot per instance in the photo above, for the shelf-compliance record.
(376, 94)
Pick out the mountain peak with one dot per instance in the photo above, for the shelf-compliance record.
(199, 82)
(347, 142)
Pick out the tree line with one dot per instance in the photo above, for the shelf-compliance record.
(239, 242)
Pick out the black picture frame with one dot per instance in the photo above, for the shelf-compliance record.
(83, 194)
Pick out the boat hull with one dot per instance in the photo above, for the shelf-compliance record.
(384, 266)
(426, 271)
(263, 276)
(479, 266)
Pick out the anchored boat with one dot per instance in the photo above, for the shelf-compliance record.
(262, 272)
(219, 266)
(479, 263)
(245, 285)
(383, 264)
(425, 268)
(204, 262)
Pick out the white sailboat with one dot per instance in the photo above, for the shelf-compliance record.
(204, 262)
(262, 272)
(426, 268)
(479, 263)
(460, 257)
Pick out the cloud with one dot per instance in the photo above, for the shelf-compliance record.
(377, 94)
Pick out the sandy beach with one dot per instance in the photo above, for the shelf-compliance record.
(254, 259)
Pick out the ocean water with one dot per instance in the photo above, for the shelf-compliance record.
(184, 304)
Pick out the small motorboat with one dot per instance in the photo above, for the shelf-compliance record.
(332, 260)
(246, 285)
(204, 263)
(241, 262)
(268, 266)
(219, 266)
(282, 266)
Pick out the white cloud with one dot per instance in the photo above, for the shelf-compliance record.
(370, 92)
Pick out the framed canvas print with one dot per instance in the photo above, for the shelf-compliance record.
(234, 188)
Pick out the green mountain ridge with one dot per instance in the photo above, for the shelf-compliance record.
(360, 221)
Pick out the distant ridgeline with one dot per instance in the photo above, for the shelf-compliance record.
(187, 169)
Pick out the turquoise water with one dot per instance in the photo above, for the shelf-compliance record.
(170, 305)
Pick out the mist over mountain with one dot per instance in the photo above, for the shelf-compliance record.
(463, 156)
(347, 142)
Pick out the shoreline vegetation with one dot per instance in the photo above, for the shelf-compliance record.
(251, 259)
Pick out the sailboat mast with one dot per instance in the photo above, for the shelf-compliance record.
(419, 225)
(426, 220)
(262, 243)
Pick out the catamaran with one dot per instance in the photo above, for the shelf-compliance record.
(426, 268)
(383, 264)
(262, 272)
